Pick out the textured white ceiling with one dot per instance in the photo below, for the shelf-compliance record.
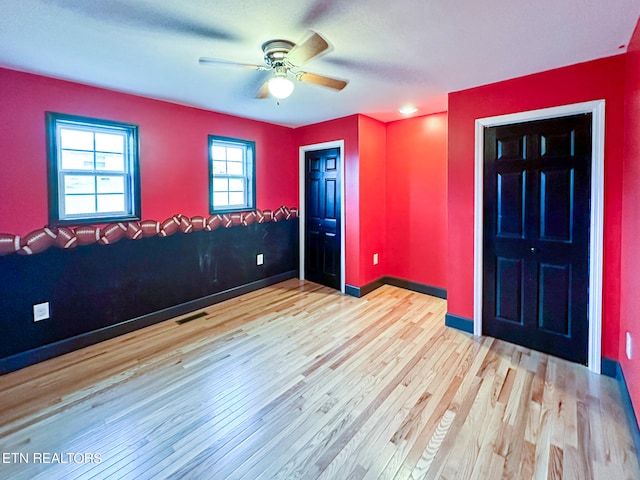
(392, 52)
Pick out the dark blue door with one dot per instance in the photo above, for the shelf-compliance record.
(537, 191)
(322, 224)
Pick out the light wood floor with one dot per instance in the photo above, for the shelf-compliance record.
(297, 381)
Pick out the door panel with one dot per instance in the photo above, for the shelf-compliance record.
(330, 197)
(537, 190)
(556, 205)
(554, 304)
(313, 258)
(313, 195)
(510, 198)
(322, 225)
(331, 256)
(512, 147)
(509, 290)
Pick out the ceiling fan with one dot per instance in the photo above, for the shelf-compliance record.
(285, 58)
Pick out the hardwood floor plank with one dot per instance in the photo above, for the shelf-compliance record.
(374, 381)
(512, 439)
(296, 381)
(555, 463)
(461, 464)
(380, 431)
(448, 448)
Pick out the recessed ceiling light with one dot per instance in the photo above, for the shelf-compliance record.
(408, 109)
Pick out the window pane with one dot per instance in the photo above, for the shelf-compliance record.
(219, 168)
(75, 184)
(110, 161)
(76, 204)
(74, 160)
(235, 154)
(235, 168)
(106, 142)
(94, 165)
(220, 199)
(236, 185)
(232, 166)
(236, 198)
(220, 184)
(76, 139)
(219, 153)
(111, 185)
(110, 203)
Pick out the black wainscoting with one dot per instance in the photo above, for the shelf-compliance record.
(94, 287)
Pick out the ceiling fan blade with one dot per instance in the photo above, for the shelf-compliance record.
(320, 10)
(264, 90)
(227, 63)
(321, 80)
(310, 47)
(380, 69)
(151, 17)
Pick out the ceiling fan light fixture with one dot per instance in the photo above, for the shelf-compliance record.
(280, 87)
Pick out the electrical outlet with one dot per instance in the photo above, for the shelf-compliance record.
(40, 311)
(628, 346)
(375, 258)
(259, 259)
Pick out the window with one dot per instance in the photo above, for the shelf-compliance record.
(232, 174)
(93, 170)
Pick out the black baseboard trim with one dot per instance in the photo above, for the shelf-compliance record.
(352, 291)
(609, 367)
(460, 323)
(612, 368)
(416, 287)
(396, 282)
(359, 292)
(36, 355)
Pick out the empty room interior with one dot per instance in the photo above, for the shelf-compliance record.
(319, 239)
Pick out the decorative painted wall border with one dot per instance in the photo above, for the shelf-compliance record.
(70, 237)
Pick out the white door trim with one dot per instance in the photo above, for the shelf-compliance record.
(301, 201)
(596, 245)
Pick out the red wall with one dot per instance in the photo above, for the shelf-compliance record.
(173, 149)
(395, 196)
(173, 162)
(373, 198)
(343, 129)
(599, 79)
(417, 200)
(630, 278)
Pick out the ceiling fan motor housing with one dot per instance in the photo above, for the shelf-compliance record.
(275, 51)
